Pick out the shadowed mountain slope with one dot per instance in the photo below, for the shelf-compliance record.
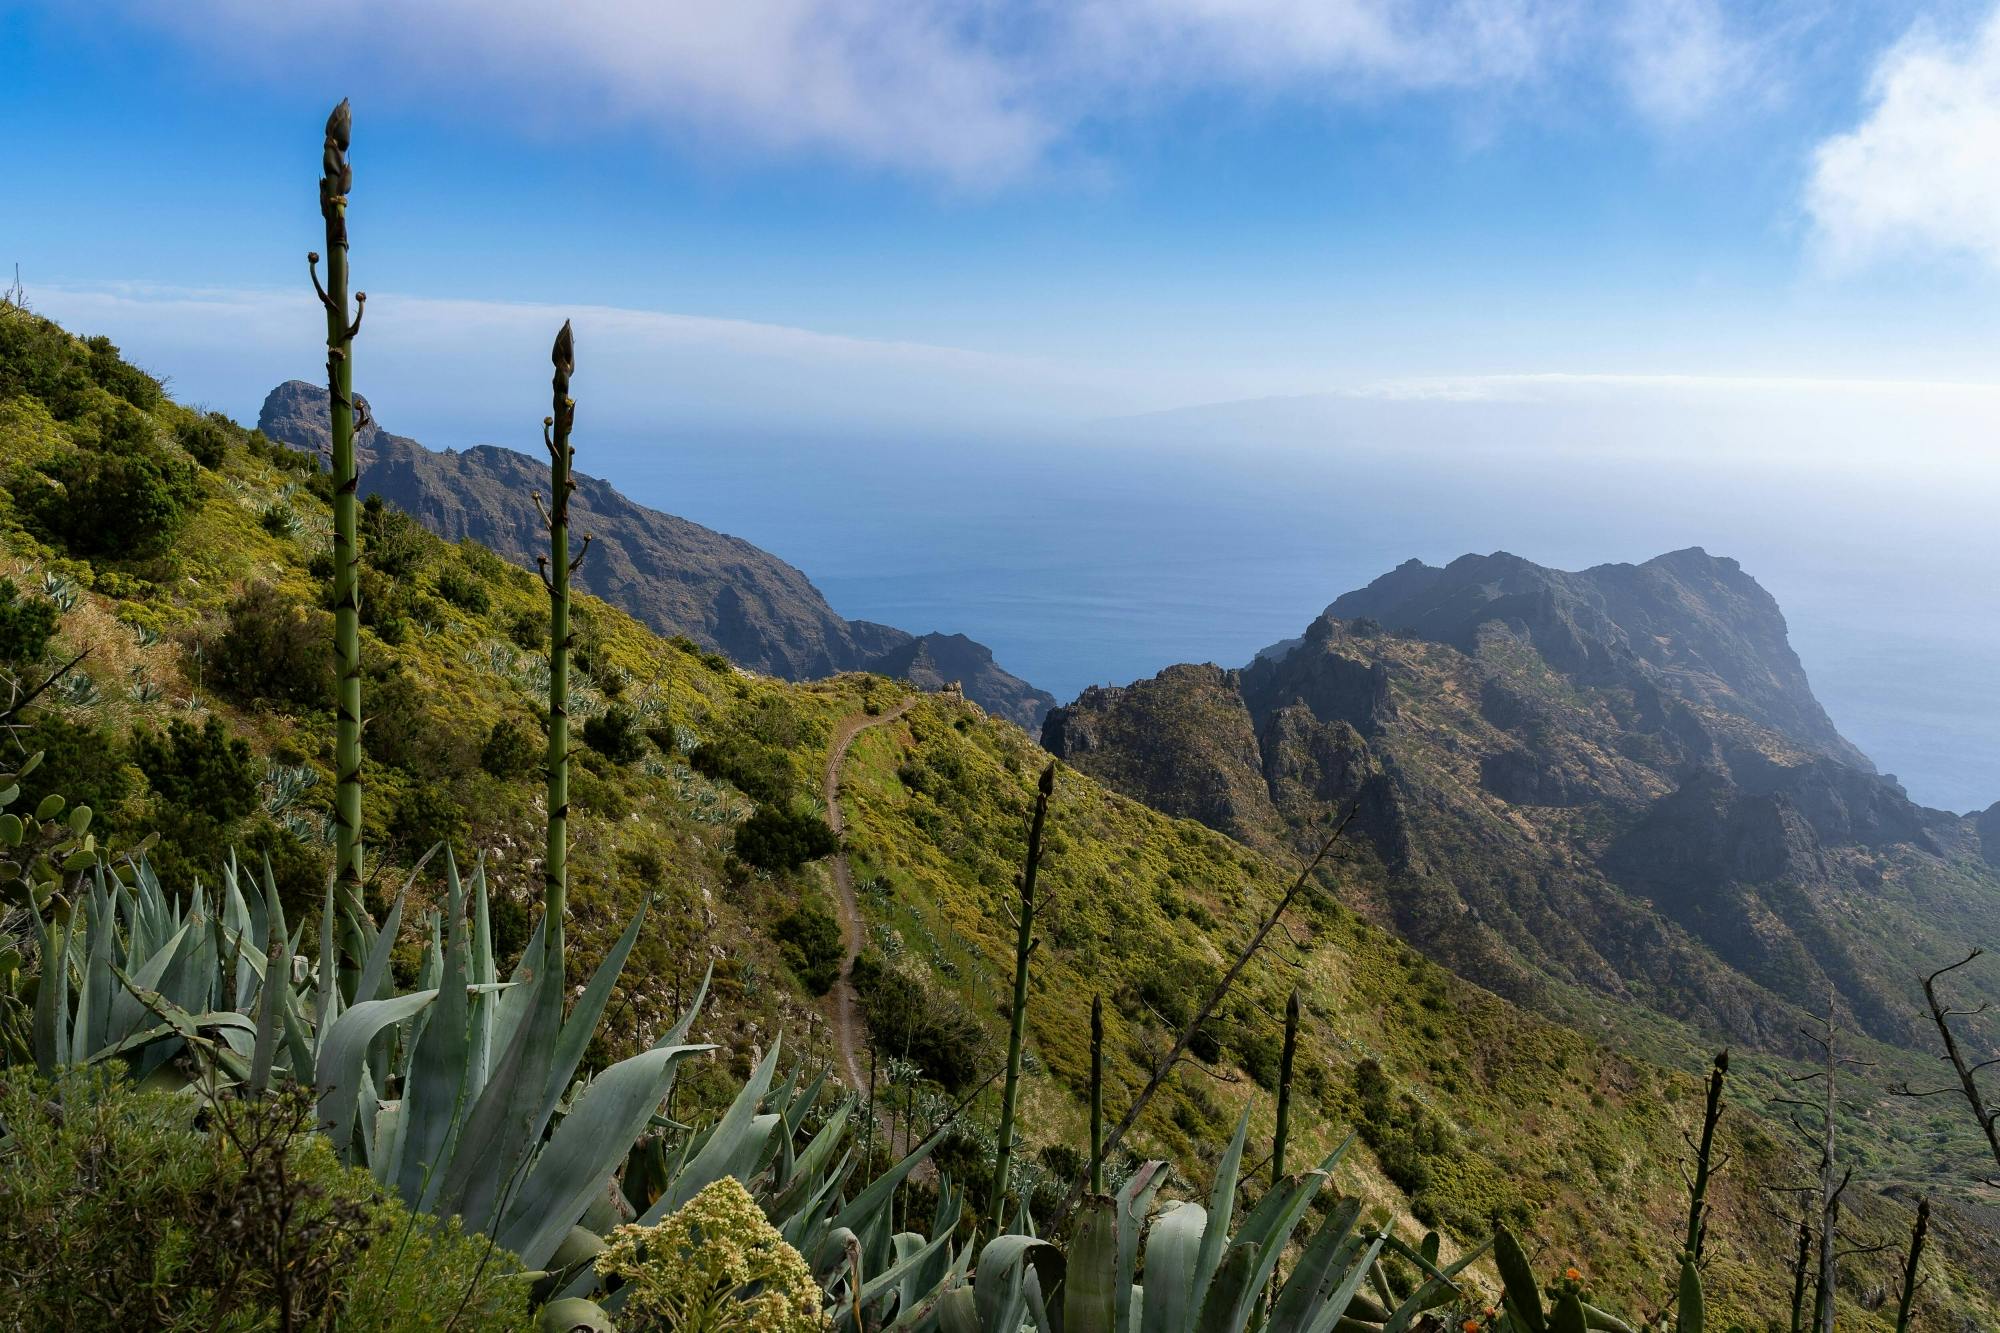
(677, 576)
(1617, 780)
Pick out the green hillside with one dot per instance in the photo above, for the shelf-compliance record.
(184, 557)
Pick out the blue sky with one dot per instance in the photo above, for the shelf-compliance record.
(1029, 211)
(1587, 279)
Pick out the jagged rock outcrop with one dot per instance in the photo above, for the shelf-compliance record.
(677, 576)
(1693, 623)
(1617, 779)
(1182, 742)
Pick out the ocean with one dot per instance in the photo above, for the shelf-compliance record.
(1105, 555)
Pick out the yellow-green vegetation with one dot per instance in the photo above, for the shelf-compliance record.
(713, 1266)
(123, 1209)
(201, 712)
(1469, 1107)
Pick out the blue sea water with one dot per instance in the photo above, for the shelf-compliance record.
(1101, 559)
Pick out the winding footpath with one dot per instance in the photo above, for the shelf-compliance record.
(846, 1027)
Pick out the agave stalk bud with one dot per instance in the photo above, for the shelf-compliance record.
(1097, 1094)
(1697, 1225)
(555, 576)
(336, 178)
(1282, 1129)
(1024, 944)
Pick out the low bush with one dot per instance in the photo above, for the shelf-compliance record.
(26, 625)
(272, 650)
(125, 1209)
(917, 1020)
(776, 839)
(809, 940)
(614, 733)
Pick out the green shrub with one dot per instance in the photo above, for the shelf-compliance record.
(126, 1209)
(26, 625)
(280, 520)
(778, 839)
(809, 940)
(464, 591)
(761, 771)
(127, 500)
(202, 770)
(273, 650)
(528, 630)
(391, 541)
(915, 1019)
(83, 763)
(426, 815)
(513, 749)
(207, 439)
(614, 733)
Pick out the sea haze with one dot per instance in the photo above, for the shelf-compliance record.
(1105, 555)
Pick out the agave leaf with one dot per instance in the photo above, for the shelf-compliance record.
(1090, 1297)
(435, 1092)
(343, 1058)
(996, 1284)
(1328, 1316)
(276, 990)
(1227, 1292)
(581, 1025)
(736, 1142)
(52, 1027)
(685, 1024)
(515, 1004)
(1134, 1201)
(375, 971)
(1171, 1251)
(93, 998)
(809, 1167)
(1441, 1285)
(872, 1200)
(1319, 1269)
(958, 1311)
(497, 1137)
(1221, 1202)
(126, 1011)
(585, 1149)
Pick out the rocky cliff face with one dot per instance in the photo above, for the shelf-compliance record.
(677, 576)
(1617, 779)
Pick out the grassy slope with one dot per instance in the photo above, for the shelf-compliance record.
(1581, 1139)
(1543, 1120)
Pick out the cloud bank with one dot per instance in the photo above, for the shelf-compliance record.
(1921, 172)
(971, 92)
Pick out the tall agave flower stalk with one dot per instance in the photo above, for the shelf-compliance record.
(556, 569)
(1097, 1094)
(1024, 944)
(1911, 1260)
(336, 178)
(1697, 1224)
(1284, 1121)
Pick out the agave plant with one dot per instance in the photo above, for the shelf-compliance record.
(1568, 1310)
(1200, 1278)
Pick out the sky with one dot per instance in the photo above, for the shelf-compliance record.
(873, 212)
(1689, 225)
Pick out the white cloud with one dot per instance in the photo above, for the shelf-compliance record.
(464, 371)
(1921, 173)
(1682, 58)
(974, 92)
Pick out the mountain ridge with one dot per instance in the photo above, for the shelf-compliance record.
(1617, 779)
(676, 575)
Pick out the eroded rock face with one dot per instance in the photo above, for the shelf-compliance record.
(677, 576)
(1182, 742)
(1617, 779)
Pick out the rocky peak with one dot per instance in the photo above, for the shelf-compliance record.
(677, 576)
